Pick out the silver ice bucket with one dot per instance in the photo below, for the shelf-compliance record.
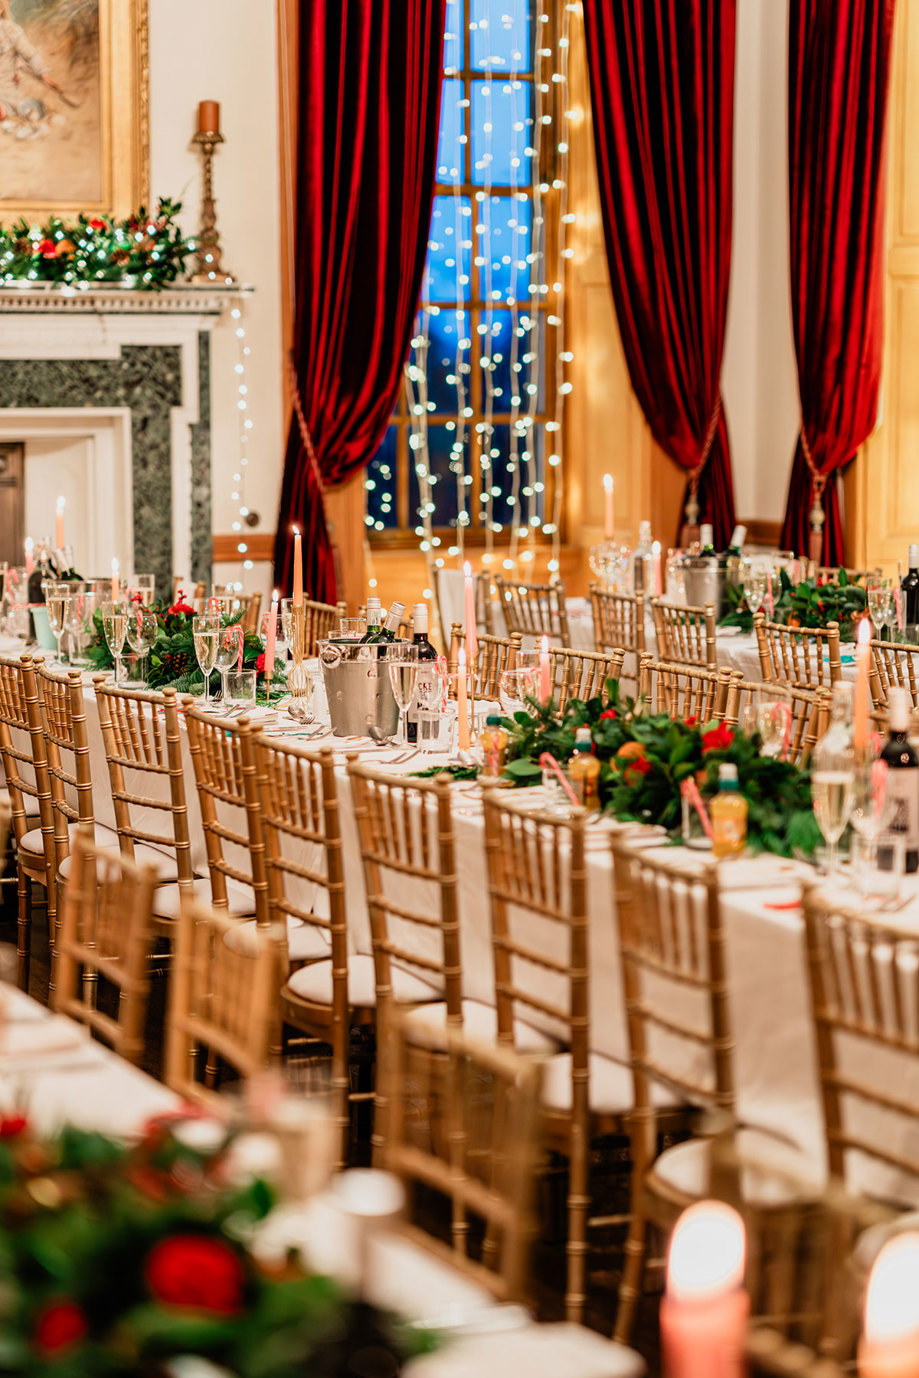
(704, 579)
(357, 686)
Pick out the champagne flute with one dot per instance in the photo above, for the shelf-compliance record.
(205, 630)
(832, 787)
(229, 643)
(142, 631)
(773, 722)
(881, 606)
(57, 602)
(115, 627)
(754, 587)
(402, 676)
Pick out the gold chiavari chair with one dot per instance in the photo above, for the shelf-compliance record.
(815, 571)
(894, 665)
(582, 674)
(672, 943)
(25, 762)
(464, 1129)
(321, 622)
(485, 603)
(618, 620)
(222, 998)
(494, 656)
(683, 691)
(807, 656)
(252, 606)
(684, 633)
(105, 933)
(810, 712)
(534, 609)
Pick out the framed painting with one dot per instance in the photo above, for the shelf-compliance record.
(74, 112)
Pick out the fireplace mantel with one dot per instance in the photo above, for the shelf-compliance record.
(180, 299)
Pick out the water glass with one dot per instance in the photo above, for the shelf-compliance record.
(435, 730)
(239, 686)
(204, 629)
(229, 642)
(352, 628)
(879, 864)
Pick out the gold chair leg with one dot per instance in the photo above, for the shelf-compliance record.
(632, 1277)
(23, 927)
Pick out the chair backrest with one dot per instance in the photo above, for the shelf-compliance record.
(798, 655)
(63, 720)
(864, 981)
(582, 674)
(320, 622)
(619, 620)
(685, 633)
(464, 1128)
(673, 962)
(252, 606)
(189, 590)
(405, 828)
(222, 997)
(815, 571)
(223, 760)
(683, 691)
(894, 665)
(537, 886)
(534, 609)
(105, 932)
(494, 655)
(143, 747)
(810, 712)
(22, 746)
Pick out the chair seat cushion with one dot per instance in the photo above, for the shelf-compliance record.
(167, 897)
(787, 1173)
(314, 983)
(610, 1086)
(305, 942)
(427, 1027)
(162, 862)
(102, 837)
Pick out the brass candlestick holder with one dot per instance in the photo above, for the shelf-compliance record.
(299, 679)
(208, 267)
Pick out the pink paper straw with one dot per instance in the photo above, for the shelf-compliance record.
(440, 666)
(548, 762)
(879, 786)
(690, 790)
(896, 594)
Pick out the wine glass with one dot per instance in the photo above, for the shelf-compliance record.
(205, 630)
(143, 588)
(115, 628)
(881, 606)
(754, 587)
(832, 787)
(229, 644)
(403, 673)
(142, 631)
(57, 601)
(773, 723)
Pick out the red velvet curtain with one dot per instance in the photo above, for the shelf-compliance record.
(838, 66)
(662, 87)
(368, 114)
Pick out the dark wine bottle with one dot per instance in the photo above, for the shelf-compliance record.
(902, 776)
(910, 590)
(391, 626)
(424, 651)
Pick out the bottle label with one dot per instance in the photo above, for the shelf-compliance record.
(903, 805)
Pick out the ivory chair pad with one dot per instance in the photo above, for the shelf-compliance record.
(686, 1168)
(610, 1086)
(167, 899)
(539, 1351)
(305, 942)
(314, 983)
(427, 1027)
(107, 840)
(104, 837)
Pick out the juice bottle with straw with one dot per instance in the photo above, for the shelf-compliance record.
(584, 771)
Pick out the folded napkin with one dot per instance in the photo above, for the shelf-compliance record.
(23, 1039)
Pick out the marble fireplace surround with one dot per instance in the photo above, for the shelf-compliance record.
(133, 367)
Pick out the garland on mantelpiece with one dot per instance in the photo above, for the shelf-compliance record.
(147, 250)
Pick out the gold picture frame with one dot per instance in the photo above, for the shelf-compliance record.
(74, 108)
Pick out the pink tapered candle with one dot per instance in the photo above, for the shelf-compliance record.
(116, 581)
(861, 710)
(59, 535)
(472, 643)
(889, 1347)
(271, 638)
(298, 569)
(545, 678)
(462, 707)
(703, 1316)
(656, 568)
(30, 558)
(609, 525)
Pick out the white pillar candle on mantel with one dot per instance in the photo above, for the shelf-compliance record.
(59, 535)
(116, 580)
(889, 1346)
(703, 1316)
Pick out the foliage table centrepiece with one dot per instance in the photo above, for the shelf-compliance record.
(810, 603)
(117, 1260)
(146, 250)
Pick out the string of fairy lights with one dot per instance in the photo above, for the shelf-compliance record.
(511, 497)
(244, 427)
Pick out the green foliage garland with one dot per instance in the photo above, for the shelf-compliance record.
(810, 603)
(147, 250)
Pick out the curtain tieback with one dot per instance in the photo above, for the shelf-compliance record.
(692, 500)
(304, 429)
(816, 516)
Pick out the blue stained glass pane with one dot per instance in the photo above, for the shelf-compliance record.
(381, 483)
(443, 478)
(450, 235)
(501, 35)
(499, 151)
(449, 149)
(453, 36)
(506, 243)
(446, 330)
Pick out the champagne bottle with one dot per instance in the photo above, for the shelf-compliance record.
(902, 776)
(910, 592)
(374, 620)
(738, 536)
(391, 626)
(706, 539)
(424, 651)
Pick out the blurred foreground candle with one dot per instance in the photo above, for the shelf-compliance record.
(472, 643)
(116, 581)
(545, 678)
(656, 568)
(609, 525)
(59, 534)
(298, 569)
(208, 117)
(861, 711)
(462, 711)
(889, 1346)
(271, 638)
(703, 1315)
(30, 557)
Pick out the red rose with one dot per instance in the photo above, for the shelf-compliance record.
(260, 664)
(182, 607)
(718, 739)
(47, 248)
(197, 1273)
(691, 722)
(608, 713)
(97, 224)
(11, 1125)
(60, 1325)
(639, 765)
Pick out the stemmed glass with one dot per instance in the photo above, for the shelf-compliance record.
(403, 672)
(205, 630)
(754, 587)
(229, 641)
(881, 606)
(833, 787)
(773, 722)
(115, 627)
(142, 631)
(57, 602)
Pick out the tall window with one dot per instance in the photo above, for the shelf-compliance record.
(473, 453)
